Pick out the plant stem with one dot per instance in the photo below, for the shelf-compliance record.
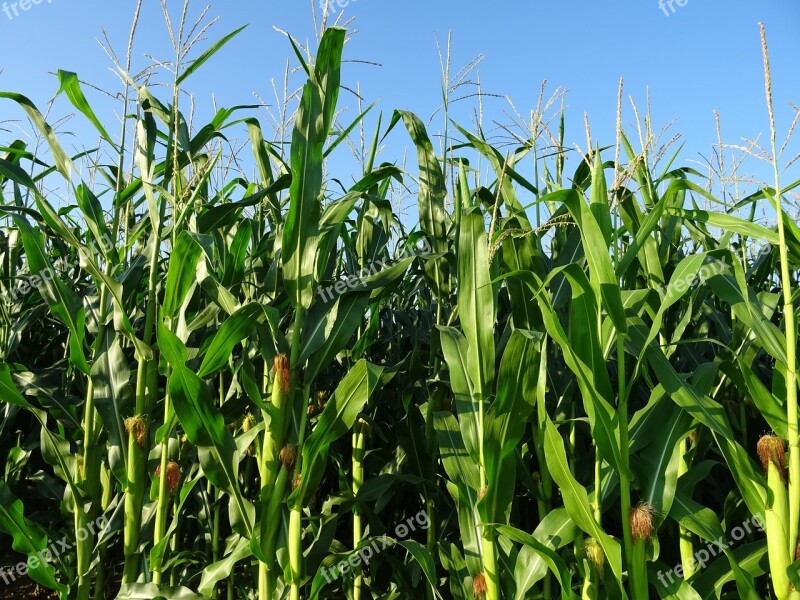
(137, 454)
(788, 316)
(624, 481)
(775, 517)
(639, 578)
(217, 520)
(546, 480)
(273, 477)
(686, 542)
(298, 405)
(358, 480)
(490, 564)
(134, 496)
(163, 494)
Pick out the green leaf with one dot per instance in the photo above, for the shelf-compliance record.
(150, 591)
(724, 221)
(601, 272)
(454, 348)
(71, 86)
(425, 560)
(576, 499)
(202, 422)
(658, 463)
(433, 219)
(704, 523)
(751, 558)
(8, 389)
(206, 55)
(553, 561)
(476, 303)
(28, 538)
(506, 421)
(312, 125)
(221, 569)
(63, 302)
(113, 399)
(328, 328)
(555, 531)
(458, 465)
(63, 162)
(464, 473)
(597, 408)
(598, 201)
(233, 330)
(225, 215)
(182, 273)
(337, 418)
(95, 219)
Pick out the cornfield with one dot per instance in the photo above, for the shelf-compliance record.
(229, 378)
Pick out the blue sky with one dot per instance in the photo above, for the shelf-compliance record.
(703, 56)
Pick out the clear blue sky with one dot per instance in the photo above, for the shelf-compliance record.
(704, 56)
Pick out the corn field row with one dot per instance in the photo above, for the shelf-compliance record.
(272, 386)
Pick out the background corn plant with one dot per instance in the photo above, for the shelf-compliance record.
(248, 379)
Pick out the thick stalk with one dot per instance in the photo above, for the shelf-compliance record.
(624, 480)
(433, 444)
(164, 494)
(162, 507)
(295, 541)
(775, 517)
(134, 497)
(589, 586)
(686, 542)
(102, 567)
(273, 522)
(119, 185)
(788, 317)
(295, 551)
(89, 476)
(108, 480)
(487, 534)
(272, 487)
(639, 579)
(137, 452)
(265, 583)
(597, 505)
(268, 467)
(92, 464)
(215, 553)
(264, 586)
(358, 480)
(490, 564)
(84, 552)
(546, 480)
